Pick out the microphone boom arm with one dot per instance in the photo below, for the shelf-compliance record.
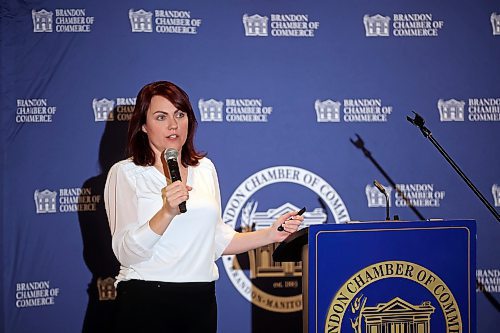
(359, 143)
(420, 123)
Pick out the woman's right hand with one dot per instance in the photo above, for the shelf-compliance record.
(174, 194)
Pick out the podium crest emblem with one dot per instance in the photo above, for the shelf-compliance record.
(275, 286)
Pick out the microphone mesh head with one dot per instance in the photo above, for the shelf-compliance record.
(170, 154)
(379, 186)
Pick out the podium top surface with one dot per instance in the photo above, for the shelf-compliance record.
(291, 248)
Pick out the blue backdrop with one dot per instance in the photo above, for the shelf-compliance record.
(280, 88)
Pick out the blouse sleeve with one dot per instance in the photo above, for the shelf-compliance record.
(132, 240)
(223, 232)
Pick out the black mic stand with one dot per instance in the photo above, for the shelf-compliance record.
(419, 122)
(359, 143)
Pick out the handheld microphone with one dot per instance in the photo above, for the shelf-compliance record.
(170, 156)
(382, 190)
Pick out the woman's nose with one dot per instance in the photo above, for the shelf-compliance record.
(172, 123)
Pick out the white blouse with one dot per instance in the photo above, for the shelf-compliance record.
(187, 250)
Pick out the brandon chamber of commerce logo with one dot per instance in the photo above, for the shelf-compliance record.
(381, 298)
(403, 25)
(270, 285)
(250, 110)
(70, 200)
(35, 293)
(65, 20)
(478, 109)
(119, 109)
(164, 21)
(34, 110)
(418, 195)
(281, 25)
(370, 110)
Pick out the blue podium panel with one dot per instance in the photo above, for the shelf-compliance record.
(392, 277)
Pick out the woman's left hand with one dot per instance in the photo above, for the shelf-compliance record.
(290, 222)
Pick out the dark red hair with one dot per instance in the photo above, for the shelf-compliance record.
(138, 143)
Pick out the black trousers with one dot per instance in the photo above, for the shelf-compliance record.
(151, 306)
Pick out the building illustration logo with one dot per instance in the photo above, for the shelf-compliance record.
(141, 20)
(42, 20)
(327, 111)
(210, 110)
(495, 23)
(103, 109)
(45, 201)
(495, 190)
(274, 286)
(376, 25)
(255, 25)
(451, 110)
(106, 289)
(397, 315)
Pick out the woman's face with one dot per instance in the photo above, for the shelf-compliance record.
(166, 126)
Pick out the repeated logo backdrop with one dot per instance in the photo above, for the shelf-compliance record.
(284, 92)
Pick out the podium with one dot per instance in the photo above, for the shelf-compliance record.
(386, 277)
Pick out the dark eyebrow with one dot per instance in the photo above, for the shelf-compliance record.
(164, 112)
